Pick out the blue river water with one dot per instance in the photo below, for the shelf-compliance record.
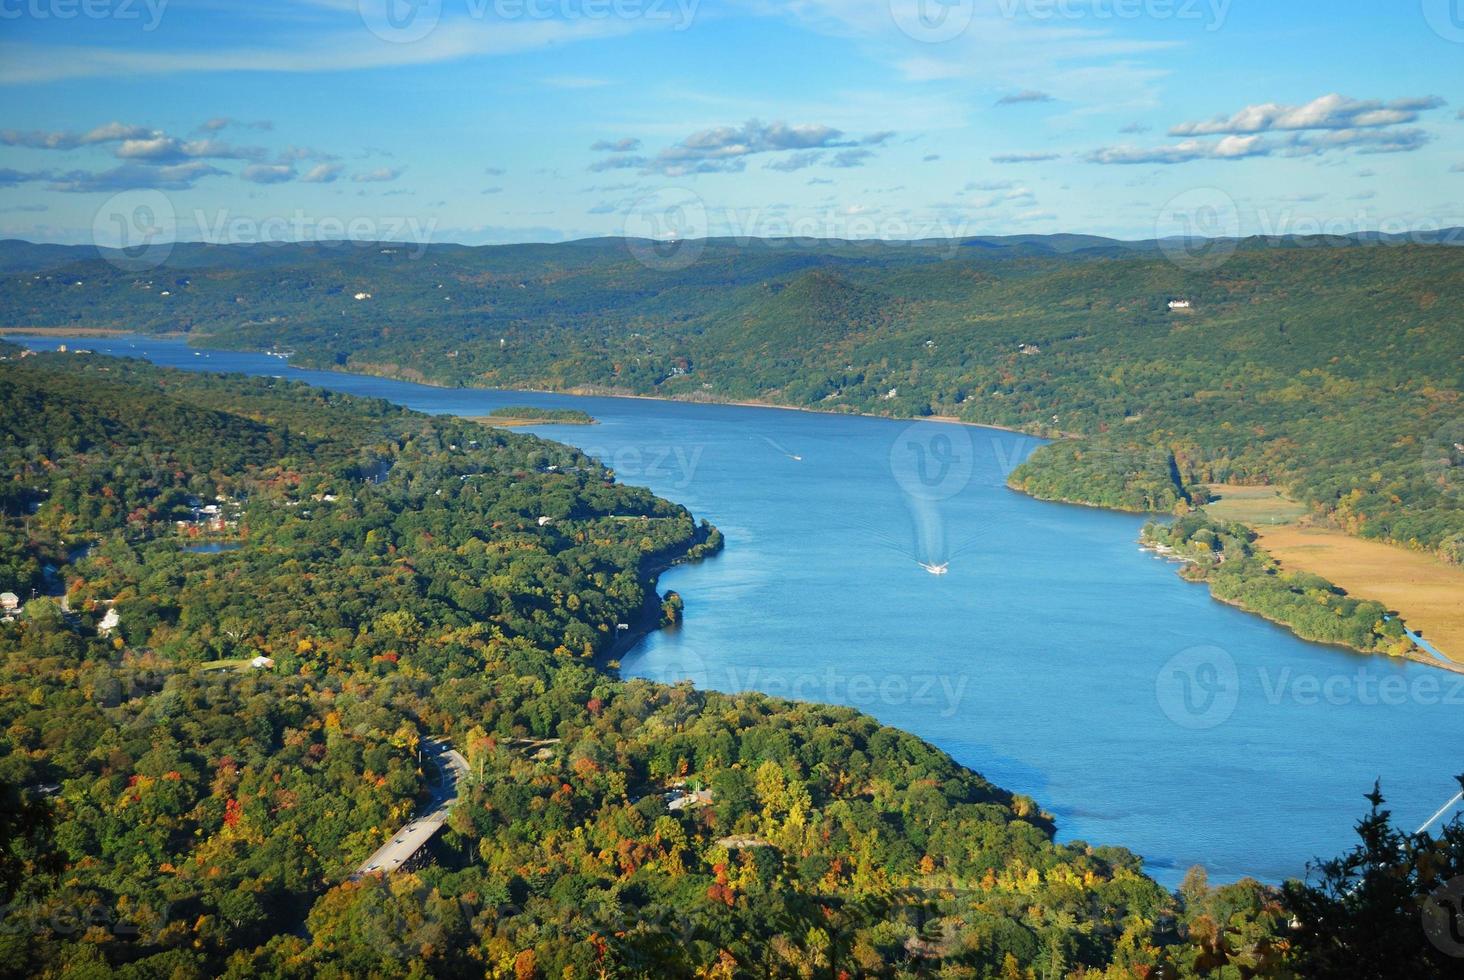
(885, 565)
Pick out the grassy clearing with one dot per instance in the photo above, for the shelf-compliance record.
(1427, 593)
(1252, 505)
(238, 664)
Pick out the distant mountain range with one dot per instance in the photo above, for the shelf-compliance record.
(17, 255)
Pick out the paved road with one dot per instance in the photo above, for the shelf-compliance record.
(451, 768)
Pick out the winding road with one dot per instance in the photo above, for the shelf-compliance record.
(451, 769)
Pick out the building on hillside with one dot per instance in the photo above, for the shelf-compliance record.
(9, 602)
(680, 799)
(262, 663)
(1179, 304)
(109, 623)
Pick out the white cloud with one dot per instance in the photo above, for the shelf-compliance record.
(218, 123)
(1024, 157)
(850, 158)
(1332, 122)
(624, 145)
(380, 175)
(1328, 112)
(1229, 148)
(1024, 96)
(268, 173)
(10, 177)
(298, 153)
(343, 48)
(135, 176)
(1361, 140)
(160, 148)
(725, 149)
(618, 163)
(796, 161)
(65, 140)
(322, 173)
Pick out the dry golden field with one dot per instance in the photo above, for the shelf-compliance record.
(1426, 592)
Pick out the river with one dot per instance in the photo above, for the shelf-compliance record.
(1052, 655)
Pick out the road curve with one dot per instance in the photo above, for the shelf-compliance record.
(451, 769)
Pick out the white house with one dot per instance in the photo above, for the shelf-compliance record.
(543, 521)
(363, 295)
(9, 602)
(109, 623)
(1179, 304)
(261, 663)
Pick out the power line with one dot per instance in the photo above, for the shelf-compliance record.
(1441, 811)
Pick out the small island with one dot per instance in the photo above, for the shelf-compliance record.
(514, 415)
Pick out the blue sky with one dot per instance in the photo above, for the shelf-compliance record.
(539, 120)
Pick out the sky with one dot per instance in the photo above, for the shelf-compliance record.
(488, 121)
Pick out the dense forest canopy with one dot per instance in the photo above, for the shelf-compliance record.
(170, 810)
(182, 813)
(1331, 367)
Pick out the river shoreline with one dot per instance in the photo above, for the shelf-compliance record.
(594, 391)
(584, 391)
(647, 619)
(759, 636)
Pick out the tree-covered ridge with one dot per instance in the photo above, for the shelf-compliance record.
(525, 414)
(1327, 367)
(412, 576)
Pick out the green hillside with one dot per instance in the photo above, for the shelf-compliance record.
(392, 567)
(1330, 367)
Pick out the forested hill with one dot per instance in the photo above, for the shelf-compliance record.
(1332, 367)
(172, 810)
